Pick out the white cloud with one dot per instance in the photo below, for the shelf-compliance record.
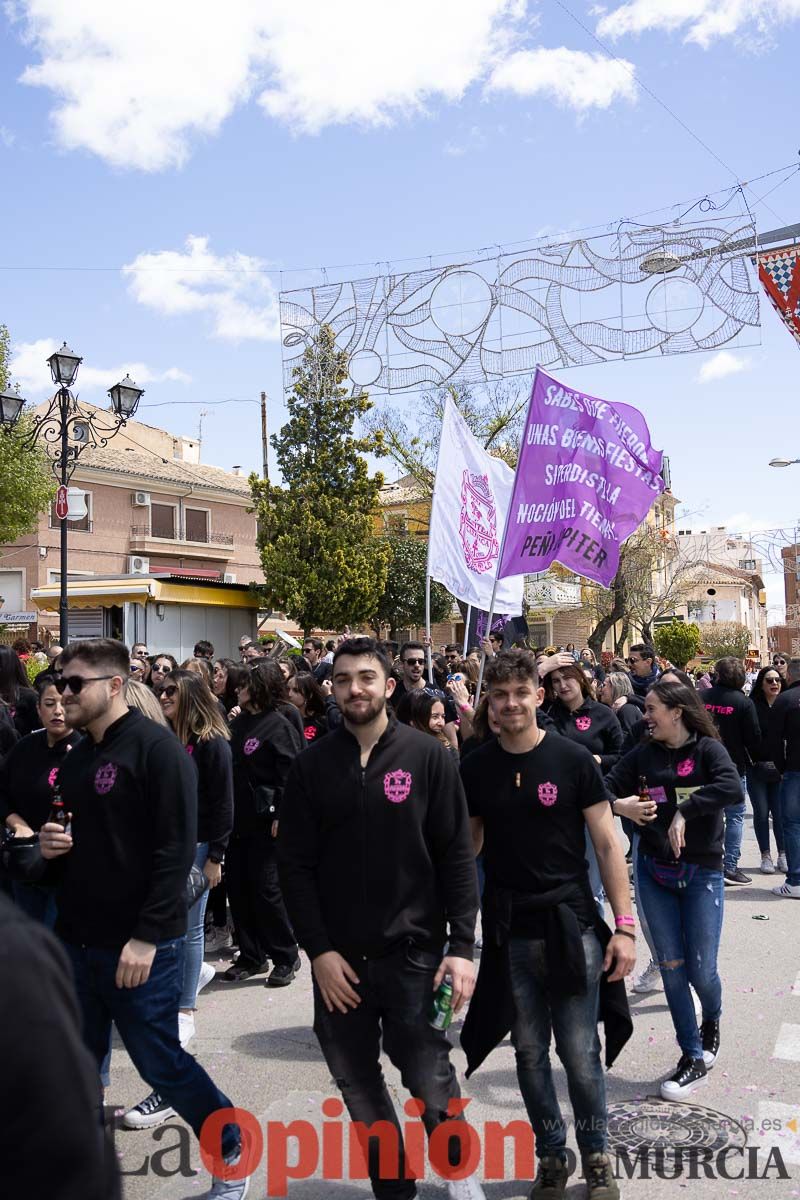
(29, 368)
(572, 78)
(704, 20)
(140, 84)
(721, 365)
(232, 289)
(7, 138)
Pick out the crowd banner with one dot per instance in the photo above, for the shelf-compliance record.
(468, 513)
(586, 478)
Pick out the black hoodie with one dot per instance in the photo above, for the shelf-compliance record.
(736, 719)
(594, 726)
(784, 729)
(703, 767)
(375, 857)
(264, 745)
(29, 774)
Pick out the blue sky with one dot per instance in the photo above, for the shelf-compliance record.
(211, 148)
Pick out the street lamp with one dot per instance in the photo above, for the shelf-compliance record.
(783, 462)
(64, 426)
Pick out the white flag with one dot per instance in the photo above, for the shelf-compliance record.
(468, 514)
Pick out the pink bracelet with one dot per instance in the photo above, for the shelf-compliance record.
(624, 921)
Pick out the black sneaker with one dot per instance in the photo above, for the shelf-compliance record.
(551, 1179)
(239, 971)
(709, 1034)
(732, 878)
(148, 1113)
(691, 1073)
(600, 1181)
(282, 974)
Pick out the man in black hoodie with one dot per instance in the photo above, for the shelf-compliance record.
(735, 717)
(377, 872)
(784, 726)
(131, 792)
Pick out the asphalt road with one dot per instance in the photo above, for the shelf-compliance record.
(258, 1046)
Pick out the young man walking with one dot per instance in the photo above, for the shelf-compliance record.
(131, 792)
(531, 794)
(378, 873)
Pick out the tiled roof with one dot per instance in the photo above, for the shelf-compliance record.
(151, 466)
(403, 491)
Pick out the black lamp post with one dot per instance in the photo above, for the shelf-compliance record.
(64, 426)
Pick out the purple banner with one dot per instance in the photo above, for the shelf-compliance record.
(586, 478)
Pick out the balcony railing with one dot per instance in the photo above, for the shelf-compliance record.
(180, 535)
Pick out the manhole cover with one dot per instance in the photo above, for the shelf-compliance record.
(671, 1130)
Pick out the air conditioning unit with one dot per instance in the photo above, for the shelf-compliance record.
(140, 499)
(228, 578)
(138, 566)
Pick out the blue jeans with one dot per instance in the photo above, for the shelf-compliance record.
(636, 850)
(37, 901)
(790, 817)
(195, 939)
(765, 798)
(146, 1018)
(686, 925)
(734, 828)
(573, 1019)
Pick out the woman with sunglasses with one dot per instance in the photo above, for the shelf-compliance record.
(163, 665)
(690, 780)
(763, 777)
(264, 744)
(781, 664)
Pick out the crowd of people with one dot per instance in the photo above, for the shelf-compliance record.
(361, 802)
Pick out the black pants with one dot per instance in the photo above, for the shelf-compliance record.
(396, 999)
(259, 914)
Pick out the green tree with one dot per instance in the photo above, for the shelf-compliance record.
(322, 562)
(26, 484)
(678, 642)
(723, 638)
(402, 604)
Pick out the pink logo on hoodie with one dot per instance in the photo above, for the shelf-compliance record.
(685, 767)
(583, 723)
(397, 786)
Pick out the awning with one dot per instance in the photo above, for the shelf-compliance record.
(108, 593)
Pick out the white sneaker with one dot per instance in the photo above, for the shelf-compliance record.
(649, 980)
(767, 865)
(218, 938)
(207, 973)
(185, 1028)
(228, 1189)
(782, 864)
(465, 1189)
(787, 891)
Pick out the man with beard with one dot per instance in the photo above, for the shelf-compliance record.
(131, 792)
(378, 873)
(412, 669)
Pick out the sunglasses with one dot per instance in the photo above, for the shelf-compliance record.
(170, 690)
(75, 683)
(779, 662)
(162, 670)
(414, 662)
(136, 670)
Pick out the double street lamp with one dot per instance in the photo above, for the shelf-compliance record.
(69, 431)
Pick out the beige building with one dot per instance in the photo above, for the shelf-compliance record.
(152, 509)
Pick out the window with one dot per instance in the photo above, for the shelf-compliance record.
(196, 524)
(84, 525)
(162, 521)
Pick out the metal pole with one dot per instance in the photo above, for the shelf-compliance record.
(63, 608)
(264, 438)
(466, 629)
(428, 627)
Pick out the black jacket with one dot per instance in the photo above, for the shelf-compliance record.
(133, 799)
(594, 726)
(784, 729)
(8, 730)
(373, 858)
(24, 712)
(703, 765)
(214, 764)
(264, 745)
(44, 1057)
(29, 774)
(736, 719)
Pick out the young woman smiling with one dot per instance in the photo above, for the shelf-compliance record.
(690, 779)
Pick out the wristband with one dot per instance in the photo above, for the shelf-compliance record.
(625, 933)
(465, 708)
(624, 920)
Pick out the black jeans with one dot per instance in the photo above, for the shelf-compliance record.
(396, 998)
(259, 914)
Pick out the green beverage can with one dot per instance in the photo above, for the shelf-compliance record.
(442, 1011)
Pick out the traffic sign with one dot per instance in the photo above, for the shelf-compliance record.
(62, 502)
